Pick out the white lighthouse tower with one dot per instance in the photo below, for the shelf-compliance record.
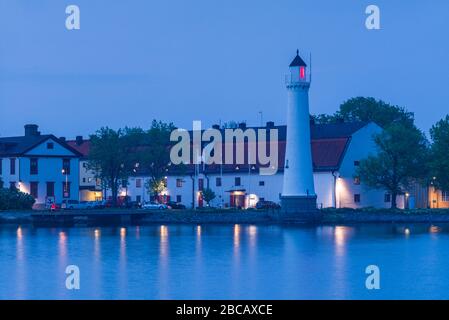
(298, 193)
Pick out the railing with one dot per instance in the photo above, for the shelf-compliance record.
(295, 79)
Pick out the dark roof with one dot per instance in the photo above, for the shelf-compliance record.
(17, 146)
(329, 143)
(298, 62)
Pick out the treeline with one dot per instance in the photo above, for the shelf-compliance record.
(116, 154)
(405, 156)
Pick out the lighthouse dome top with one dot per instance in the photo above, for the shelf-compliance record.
(298, 62)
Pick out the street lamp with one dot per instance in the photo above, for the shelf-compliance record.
(66, 193)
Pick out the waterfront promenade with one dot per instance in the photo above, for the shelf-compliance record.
(142, 217)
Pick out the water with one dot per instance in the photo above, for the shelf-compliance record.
(225, 262)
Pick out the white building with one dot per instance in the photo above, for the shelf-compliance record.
(90, 188)
(41, 165)
(336, 152)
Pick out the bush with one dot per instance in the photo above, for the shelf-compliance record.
(13, 199)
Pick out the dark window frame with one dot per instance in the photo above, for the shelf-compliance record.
(237, 181)
(357, 198)
(12, 166)
(34, 189)
(34, 166)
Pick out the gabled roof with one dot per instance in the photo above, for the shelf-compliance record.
(82, 148)
(18, 146)
(297, 61)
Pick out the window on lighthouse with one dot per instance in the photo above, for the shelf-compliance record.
(302, 72)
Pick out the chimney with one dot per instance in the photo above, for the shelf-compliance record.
(242, 125)
(216, 126)
(62, 139)
(31, 130)
(270, 124)
(79, 140)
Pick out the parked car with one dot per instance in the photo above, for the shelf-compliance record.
(99, 204)
(130, 205)
(154, 206)
(75, 204)
(264, 204)
(175, 205)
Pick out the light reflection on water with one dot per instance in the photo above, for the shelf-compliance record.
(225, 262)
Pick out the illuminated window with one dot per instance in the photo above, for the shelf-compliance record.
(302, 72)
(445, 196)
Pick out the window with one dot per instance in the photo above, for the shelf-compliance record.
(200, 184)
(84, 164)
(218, 182)
(66, 166)
(33, 166)
(138, 183)
(178, 198)
(237, 181)
(66, 189)
(261, 183)
(357, 198)
(84, 180)
(445, 196)
(1, 165)
(33, 189)
(356, 163)
(50, 189)
(12, 185)
(138, 199)
(50, 145)
(12, 166)
(302, 72)
(356, 180)
(178, 183)
(387, 197)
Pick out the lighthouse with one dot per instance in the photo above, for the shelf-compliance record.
(298, 192)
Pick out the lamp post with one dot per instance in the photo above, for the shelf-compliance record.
(66, 193)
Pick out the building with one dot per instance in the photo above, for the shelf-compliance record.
(336, 152)
(41, 165)
(90, 188)
(298, 192)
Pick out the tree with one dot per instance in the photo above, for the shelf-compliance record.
(439, 160)
(154, 156)
(1, 183)
(208, 195)
(367, 109)
(111, 155)
(401, 160)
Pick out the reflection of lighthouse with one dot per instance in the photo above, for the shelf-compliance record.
(298, 194)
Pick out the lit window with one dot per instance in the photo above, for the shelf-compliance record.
(302, 72)
(445, 196)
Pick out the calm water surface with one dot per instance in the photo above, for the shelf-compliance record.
(225, 262)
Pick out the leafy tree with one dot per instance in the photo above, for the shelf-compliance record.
(439, 160)
(401, 160)
(13, 199)
(111, 155)
(154, 156)
(1, 183)
(367, 109)
(208, 195)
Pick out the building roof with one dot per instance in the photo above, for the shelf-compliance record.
(297, 61)
(83, 148)
(18, 146)
(329, 144)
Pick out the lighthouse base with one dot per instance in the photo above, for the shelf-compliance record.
(302, 208)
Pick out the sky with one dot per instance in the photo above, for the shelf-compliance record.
(215, 61)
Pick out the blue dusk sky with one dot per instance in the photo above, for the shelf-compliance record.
(176, 60)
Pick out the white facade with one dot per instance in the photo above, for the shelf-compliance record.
(38, 170)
